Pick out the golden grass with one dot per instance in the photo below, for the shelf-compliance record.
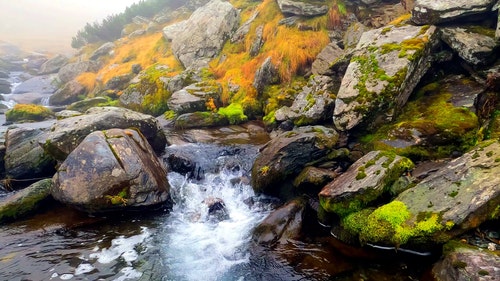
(87, 79)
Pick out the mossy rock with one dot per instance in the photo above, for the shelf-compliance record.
(25, 201)
(28, 113)
(200, 120)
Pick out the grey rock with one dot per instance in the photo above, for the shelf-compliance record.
(202, 36)
(66, 134)
(112, 170)
(21, 203)
(72, 70)
(5, 86)
(24, 157)
(353, 34)
(328, 56)
(45, 84)
(243, 30)
(69, 93)
(266, 75)
(118, 82)
(301, 8)
(84, 105)
(194, 98)
(434, 12)
(104, 50)
(200, 120)
(379, 80)
(476, 49)
(257, 42)
(137, 33)
(53, 65)
(63, 114)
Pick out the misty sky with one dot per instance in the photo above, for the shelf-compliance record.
(50, 24)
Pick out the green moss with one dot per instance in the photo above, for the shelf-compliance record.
(234, 113)
(361, 175)
(28, 113)
(481, 30)
(170, 114)
(459, 264)
(483, 272)
(453, 193)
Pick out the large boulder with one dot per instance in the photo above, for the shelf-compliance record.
(112, 170)
(72, 70)
(26, 201)
(367, 180)
(69, 93)
(266, 74)
(44, 84)
(24, 157)
(288, 153)
(475, 48)
(104, 50)
(5, 86)
(313, 105)
(195, 97)
(202, 36)
(302, 8)
(433, 12)
(53, 65)
(385, 68)
(458, 197)
(323, 61)
(66, 134)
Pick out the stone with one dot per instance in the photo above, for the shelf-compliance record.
(301, 8)
(266, 75)
(119, 82)
(463, 262)
(69, 93)
(327, 56)
(24, 202)
(24, 157)
(386, 66)
(200, 120)
(195, 98)
(84, 105)
(353, 34)
(217, 210)
(63, 114)
(71, 70)
(364, 182)
(476, 49)
(53, 65)
(311, 179)
(104, 50)
(137, 33)
(66, 134)
(5, 87)
(288, 153)
(243, 30)
(39, 84)
(112, 170)
(200, 38)
(282, 225)
(257, 42)
(434, 12)
(313, 105)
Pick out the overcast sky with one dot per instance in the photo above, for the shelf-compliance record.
(50, 24)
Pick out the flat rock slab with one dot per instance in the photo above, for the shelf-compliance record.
(439, 11)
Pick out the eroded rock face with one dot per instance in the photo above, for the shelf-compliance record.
(386, 66)
(364, 182)
(301, 8)
(111, 170)
(288, 153)
(103, 50)
(66, 134)
(25, 201)
(202, 36)
(433, 12)
(53, 65)
(331, 53)
(72, 70)
(69, 93)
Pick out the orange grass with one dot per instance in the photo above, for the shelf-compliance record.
(87, 79)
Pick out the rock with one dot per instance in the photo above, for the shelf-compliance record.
(38, 84)
(434, 12)
(282, 225)
(86, 104)
(63, 114)
(476, 49)
(313, 105)
(24, 157)
(35, 62)
(266, 75)
(457, 198)
(257, 42)
(200, 120)
(4, 75)
(364, 182)
(5, 86)
(26, 201)
(66, 134)
(217, 210)
(322, 63)
(311, 180)
(28, 113)
(72, 70)
(288, 153)
(301, 8)
(137, 33)
(112, 170)
(118, 82)
(386, 66)
(202, 36)
(195, 97)
(104, 50)
(353, 35)
(70, 92)
(463, 262)
(53, 65)
(243, 30)
(30, 98)
(497, 31)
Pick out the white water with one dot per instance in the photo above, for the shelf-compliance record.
(15, 80)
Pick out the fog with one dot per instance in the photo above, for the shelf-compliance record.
(49, 25)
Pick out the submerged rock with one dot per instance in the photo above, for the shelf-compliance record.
(217, 210)
(386, 66)
(433, 12)
(23, 202)
(111, 170)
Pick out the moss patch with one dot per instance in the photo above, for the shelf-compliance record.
(28, 113)
(234, 113)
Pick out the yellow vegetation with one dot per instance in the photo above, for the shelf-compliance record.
(87, 79)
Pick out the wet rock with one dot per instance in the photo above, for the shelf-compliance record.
(201, 37)
(200, 120)
(217, 210)
(266, 75)
(195, 97)
(463, 262)
(313, 105)
(24, 157)
(71, 70)
(311, 180)
(112, 170)
(364, 182)
(69, 93)
(386, 66)
(301, 8)
(86, 104)
(433, 12)
(38, 84)
(282, 225)
(53, 65)
(104, 50)
(26, 201)
(66, 134)
(288, 153)
(330, 54)
(5, 87)
(475, 48)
